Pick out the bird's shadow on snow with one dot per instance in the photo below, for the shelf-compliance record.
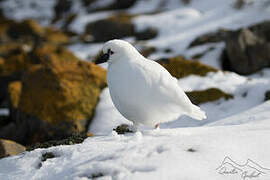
(181, 122)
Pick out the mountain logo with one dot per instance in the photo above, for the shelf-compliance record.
(249, 170)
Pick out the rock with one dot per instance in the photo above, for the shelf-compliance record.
(116, 27)
(147, 51)
(47, 155)
(68, 90)
(201, 54)
(180, 67)
(56, 37)
(208, 95)
(123, 129)
(247, 49)
(211, 37)
(54, 96)
(14, 89)
(124, 4)
(267, 96)
(9, 148)
(147, 34)
(247, 53)
(261, 30)
(30, 32)
(115, 5)
(75, 138)
(26, 29)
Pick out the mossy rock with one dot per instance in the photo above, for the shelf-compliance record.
(208, 95)
(12, 47)
(75, 138)
(14, 89)
(116, 27)
(68, 89)
(56, 37)
(15, 63)
(29, 31)
(2, 63)
(53, 95)
(27, 28)
(180, 67)
(123, 129)
(9, 148)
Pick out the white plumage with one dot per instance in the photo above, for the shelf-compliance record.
(142, 90)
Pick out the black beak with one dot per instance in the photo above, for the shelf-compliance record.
(102, 58)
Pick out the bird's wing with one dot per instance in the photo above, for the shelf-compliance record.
(166, 85)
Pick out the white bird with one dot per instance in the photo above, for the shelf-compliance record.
(142, 90)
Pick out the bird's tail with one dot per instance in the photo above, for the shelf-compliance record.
(197, 113)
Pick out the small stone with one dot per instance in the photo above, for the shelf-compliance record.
(9, 148)
(191, 150)
(267, 95)
(123, 129)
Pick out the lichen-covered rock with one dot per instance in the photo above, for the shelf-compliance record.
(208, 95)
(29, 32)
(180, 67)
(16, 62)
(14, 89)
(67, 89)
(25, 29)
(57, 37)
(75, 138)
(54, 95)
(9, 148)
(116, 27)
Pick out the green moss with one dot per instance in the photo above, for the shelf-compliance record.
(123, 129)
(180, 67)
(76, 138)
(208, 95)
(47, 155)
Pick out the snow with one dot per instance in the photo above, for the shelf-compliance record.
(156, 154)
(40, 10)
(237, 128)
(4, 112)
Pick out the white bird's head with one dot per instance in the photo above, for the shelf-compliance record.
(115, 50)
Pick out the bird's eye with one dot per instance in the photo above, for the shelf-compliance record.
(110, 52)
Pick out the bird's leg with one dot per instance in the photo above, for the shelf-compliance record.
(157, 126)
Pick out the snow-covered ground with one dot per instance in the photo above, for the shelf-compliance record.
(233, 143)
(179, 153)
